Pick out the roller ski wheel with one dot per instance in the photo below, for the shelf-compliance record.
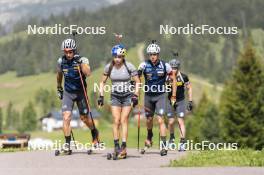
(163, 152)
(148, 144)
(63, 152)
(109, 156)
(112, 156)
(115, 156)
(142, 151)
(89, 152)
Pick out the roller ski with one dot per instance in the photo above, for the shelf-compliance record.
(63, 151)
(148, 144)
(117, 155)
(114, 155)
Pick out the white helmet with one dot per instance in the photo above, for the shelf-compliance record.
(153, 48)
(68, 44)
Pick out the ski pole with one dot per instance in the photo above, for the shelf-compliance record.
(138, 127)
(86, 97)
(84, 91)
(159, 140)
(73, 140)
(180, 129)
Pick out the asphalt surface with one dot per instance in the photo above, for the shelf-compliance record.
(45, 163)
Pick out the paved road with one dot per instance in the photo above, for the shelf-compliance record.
(45, 163)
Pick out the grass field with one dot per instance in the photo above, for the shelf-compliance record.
(243, 157)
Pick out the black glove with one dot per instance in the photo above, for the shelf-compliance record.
(79, 61)
(134, 100)
(60, 92)
(100, 101)
(77, 58)
(190, 106)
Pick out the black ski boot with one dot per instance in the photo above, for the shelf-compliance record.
(163, 152)
(64, 151)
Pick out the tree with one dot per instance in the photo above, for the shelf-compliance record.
(47, 100)
(10, 116)
(242, 103)
(210, 129)
(28, 119)
(204, 125)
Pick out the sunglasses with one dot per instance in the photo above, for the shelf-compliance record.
(68, 52)
(153, 54)
(119, 56)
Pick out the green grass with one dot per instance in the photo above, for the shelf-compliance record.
(243, 157)
(20, 90)
(201, 85)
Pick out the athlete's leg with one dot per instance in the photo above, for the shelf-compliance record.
(116, 113)
(67, 123)
(171, 121)
(182, 127)
(160, 110)
(86, 118)
(149, 110)
(181, 113)
(67, 106)
(124, 121)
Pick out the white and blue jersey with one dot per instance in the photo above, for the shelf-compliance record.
(155, 76)
(69, 68)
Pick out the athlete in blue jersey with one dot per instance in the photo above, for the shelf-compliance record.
(67, 67)
(155, 72)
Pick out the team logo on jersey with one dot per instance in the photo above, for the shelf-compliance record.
(160, 73)
(148, 76)
(179, 83)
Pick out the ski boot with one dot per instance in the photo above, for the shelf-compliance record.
(122, 154)
(95, 142)
(163, 152)
(172, 144)
(64, 151)
(182, 145)
(113, 155)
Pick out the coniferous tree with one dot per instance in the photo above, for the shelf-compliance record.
(28, 119)
(242, 103)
